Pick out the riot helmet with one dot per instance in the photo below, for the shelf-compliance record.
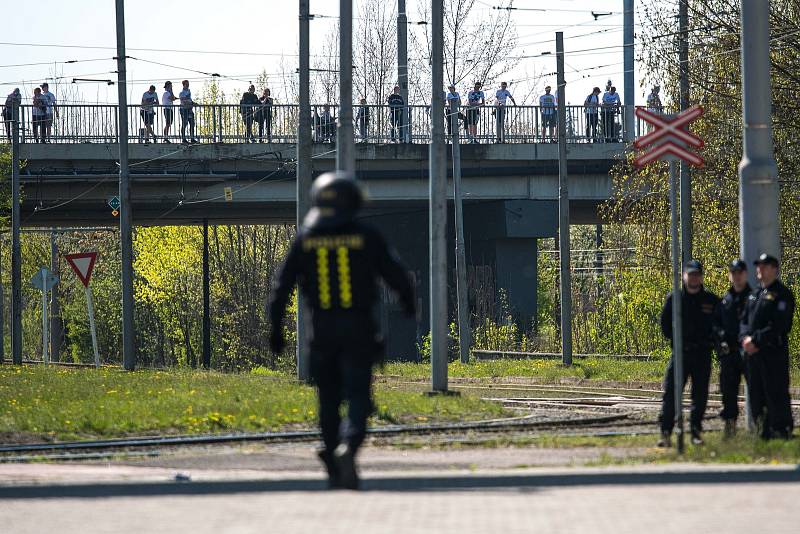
(335, 199)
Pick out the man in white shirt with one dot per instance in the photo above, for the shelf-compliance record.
(148, 113)
(452, 98)
(168, 99)
(548, 103)
(611, 104)
(187, 112)
(52, 111)
(501, 97)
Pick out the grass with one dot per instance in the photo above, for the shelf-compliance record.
(544, 370)
(38, 402)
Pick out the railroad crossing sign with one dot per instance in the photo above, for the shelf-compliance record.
(44, 280)
(114, 204)
(83, 265)
(671, 138)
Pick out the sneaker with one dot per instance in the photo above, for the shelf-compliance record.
(327, 459)
(697, 438)
(345, 458)
(730, 429)
(185, 142)
(194, 141)
(167, 141)
(665, 441)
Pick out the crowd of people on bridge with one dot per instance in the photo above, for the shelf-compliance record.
(601, 112)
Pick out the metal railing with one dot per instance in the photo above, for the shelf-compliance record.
(229, 123)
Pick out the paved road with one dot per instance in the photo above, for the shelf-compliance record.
(227, 497)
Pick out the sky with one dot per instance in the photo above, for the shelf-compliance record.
(239, 39)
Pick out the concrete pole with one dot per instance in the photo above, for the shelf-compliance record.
(462, 291)
(16, 254)
(304, 171)
(628, 60)
(686, 172)
(758, 174)
(2, 310)
(402, 66)
(56, 329)
(206, 300)
(126, 207)
(438, 206)
(345, 144)
(677, 318)
(563, 209)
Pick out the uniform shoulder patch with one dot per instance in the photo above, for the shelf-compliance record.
(769, 296)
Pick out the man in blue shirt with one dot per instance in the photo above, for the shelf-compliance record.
(501, 97)
(187, 112)
(475, 101)
(611, 104)
(148, 113)
(591, 108)
(396, 105)
(548, 103)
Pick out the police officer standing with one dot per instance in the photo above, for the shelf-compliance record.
(697, 309)
(765, 340)
(336, 261)
(731, 365)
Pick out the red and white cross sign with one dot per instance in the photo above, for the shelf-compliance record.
(670, 137)
(83, 265)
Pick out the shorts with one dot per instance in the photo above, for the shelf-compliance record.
(169, 115)
(473, 114)
(147, 117)
(40, 119)
(187, 115)
(549, 120)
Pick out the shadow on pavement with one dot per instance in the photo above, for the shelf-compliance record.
(524, 482)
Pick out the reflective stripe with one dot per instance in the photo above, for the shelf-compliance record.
(345, 287)
(323, 281)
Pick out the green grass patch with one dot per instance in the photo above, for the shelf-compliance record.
(38, 402)
(545, 370)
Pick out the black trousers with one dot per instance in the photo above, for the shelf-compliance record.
(608, 126)
(731, 369)
(697, 365)
(770, 403)
(344, 347)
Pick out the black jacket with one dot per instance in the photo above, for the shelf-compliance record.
(337, 269)
(249, 103)
(697, 311)
(768, 318)
(730, 314)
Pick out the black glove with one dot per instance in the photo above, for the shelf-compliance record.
(276, 341)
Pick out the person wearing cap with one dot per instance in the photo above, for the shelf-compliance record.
(698, 307)
(765, 339)
(548, 103)
(168, 99)
(452, 98)
(336, 261)
(13, 98)
(731, 365)
(187, 113)
(52, 111)
(148, 113)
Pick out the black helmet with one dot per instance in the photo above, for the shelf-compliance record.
(335, 199)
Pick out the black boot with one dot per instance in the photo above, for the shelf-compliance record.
(345, 458)
(328, 461)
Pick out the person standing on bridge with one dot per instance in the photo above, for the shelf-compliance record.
(611, 104)
(362, 120)
(15, 97)
(547, 105)
(264, 116)
(148, 113)
(39, 115)
(248, 106)
(396, 106)
(168, 99)
(187, 112)
(336, 261)
(731, 365)
(501, 98)
(52, 111)
(591, 108)
(698, 308)
(765, 339)
(475, 101)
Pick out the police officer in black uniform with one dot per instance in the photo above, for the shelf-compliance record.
(765, 340)
(731, 365)
(698, 307)
(336, 261)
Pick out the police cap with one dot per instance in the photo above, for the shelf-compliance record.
(737, 265)
(693, 266)
(335, 199)
(766, 258)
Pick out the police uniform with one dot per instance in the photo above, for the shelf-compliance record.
(336, 262)
(697, 312)
(767, 321)
(731, 364)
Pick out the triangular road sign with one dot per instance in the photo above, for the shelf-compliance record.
(82, 264)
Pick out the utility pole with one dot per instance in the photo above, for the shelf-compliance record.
(464, 331)
(2, 310)
(628, 61)
(686, 173)
(438, 206)
(206, 300)
(563, 209)
(126, 206)
(677, 318)
(303, 176)
(16, 253)
(402, 67)
(345, 144)
(56, 328)
(758, 173)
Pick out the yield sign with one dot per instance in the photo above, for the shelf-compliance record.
(82, 264)
(670, 137)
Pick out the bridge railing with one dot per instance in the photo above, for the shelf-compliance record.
(376, 124)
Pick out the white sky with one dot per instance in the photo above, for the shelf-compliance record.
(261, 32)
